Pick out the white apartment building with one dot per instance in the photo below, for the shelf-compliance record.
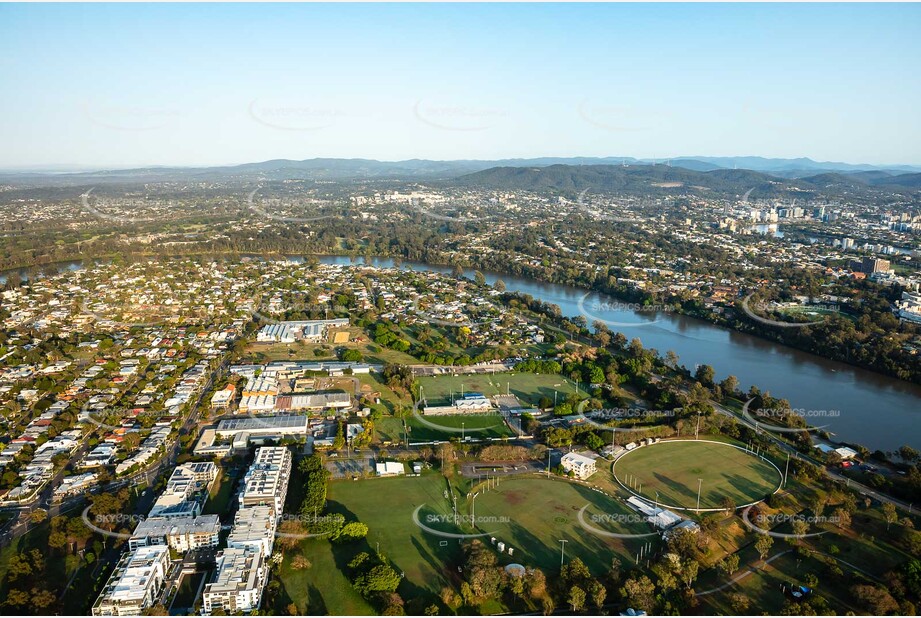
(241, 575)
(266, 481)
(135, 583)
(582, 467)
(177, 500)
(254, 528)
(182, 533)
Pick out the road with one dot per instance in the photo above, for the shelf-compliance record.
(831, 473)
(21, 524)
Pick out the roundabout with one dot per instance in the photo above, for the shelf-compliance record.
(697, 475)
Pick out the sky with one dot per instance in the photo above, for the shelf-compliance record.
(103, 86)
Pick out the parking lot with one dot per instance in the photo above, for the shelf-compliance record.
(347, 468)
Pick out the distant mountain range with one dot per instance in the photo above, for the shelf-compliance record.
(715, 173)
(652, 179)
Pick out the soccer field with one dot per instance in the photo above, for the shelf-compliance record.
(533, 515)
(528, 387)
(674, 470)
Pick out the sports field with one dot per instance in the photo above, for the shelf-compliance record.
(386, 505)
(674, 469)
(528, 387)
(533, 514)
(426, 428)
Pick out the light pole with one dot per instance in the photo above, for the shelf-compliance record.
(462, 432)
(473, 509)
(785, 470)
(562, 551)
(697, 431)
(700, 483)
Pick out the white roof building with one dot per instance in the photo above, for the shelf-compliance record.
(179, 533)
(582, 467)
(135, 583)
(254, 528)
(390, 468)
(266, 481)
(241, 575)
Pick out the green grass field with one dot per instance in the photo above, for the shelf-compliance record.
(528, 387)
(673, 468)
(386, 506)
(323, 589)
(530, 514)
(476, 426)
(542, 511)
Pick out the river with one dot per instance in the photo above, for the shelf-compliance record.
(857, 405)
(854, 404)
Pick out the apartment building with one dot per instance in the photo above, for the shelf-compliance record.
(178, 499)
(266, 481)
(135, 584)
(254, 528)
(181, 534)
(237, 587)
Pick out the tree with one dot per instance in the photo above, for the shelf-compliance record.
(42, 599)
(729, 564)
(576, 598)
(890, 514)
(300, 562)
(800, 528)
(19, 566)
(729, 385)
(908, 454)
(290, 534)
(763, 545)
(598, 593)
(339, 440)
(380, 578)
(16, 598)
(351, 532)
(451, 599)
(875, 598)
(639, 591)
(842, 517)
(689, 570)
(38, 516)
(705, 375)
(739, 602)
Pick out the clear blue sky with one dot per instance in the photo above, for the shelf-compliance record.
(125, 85)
